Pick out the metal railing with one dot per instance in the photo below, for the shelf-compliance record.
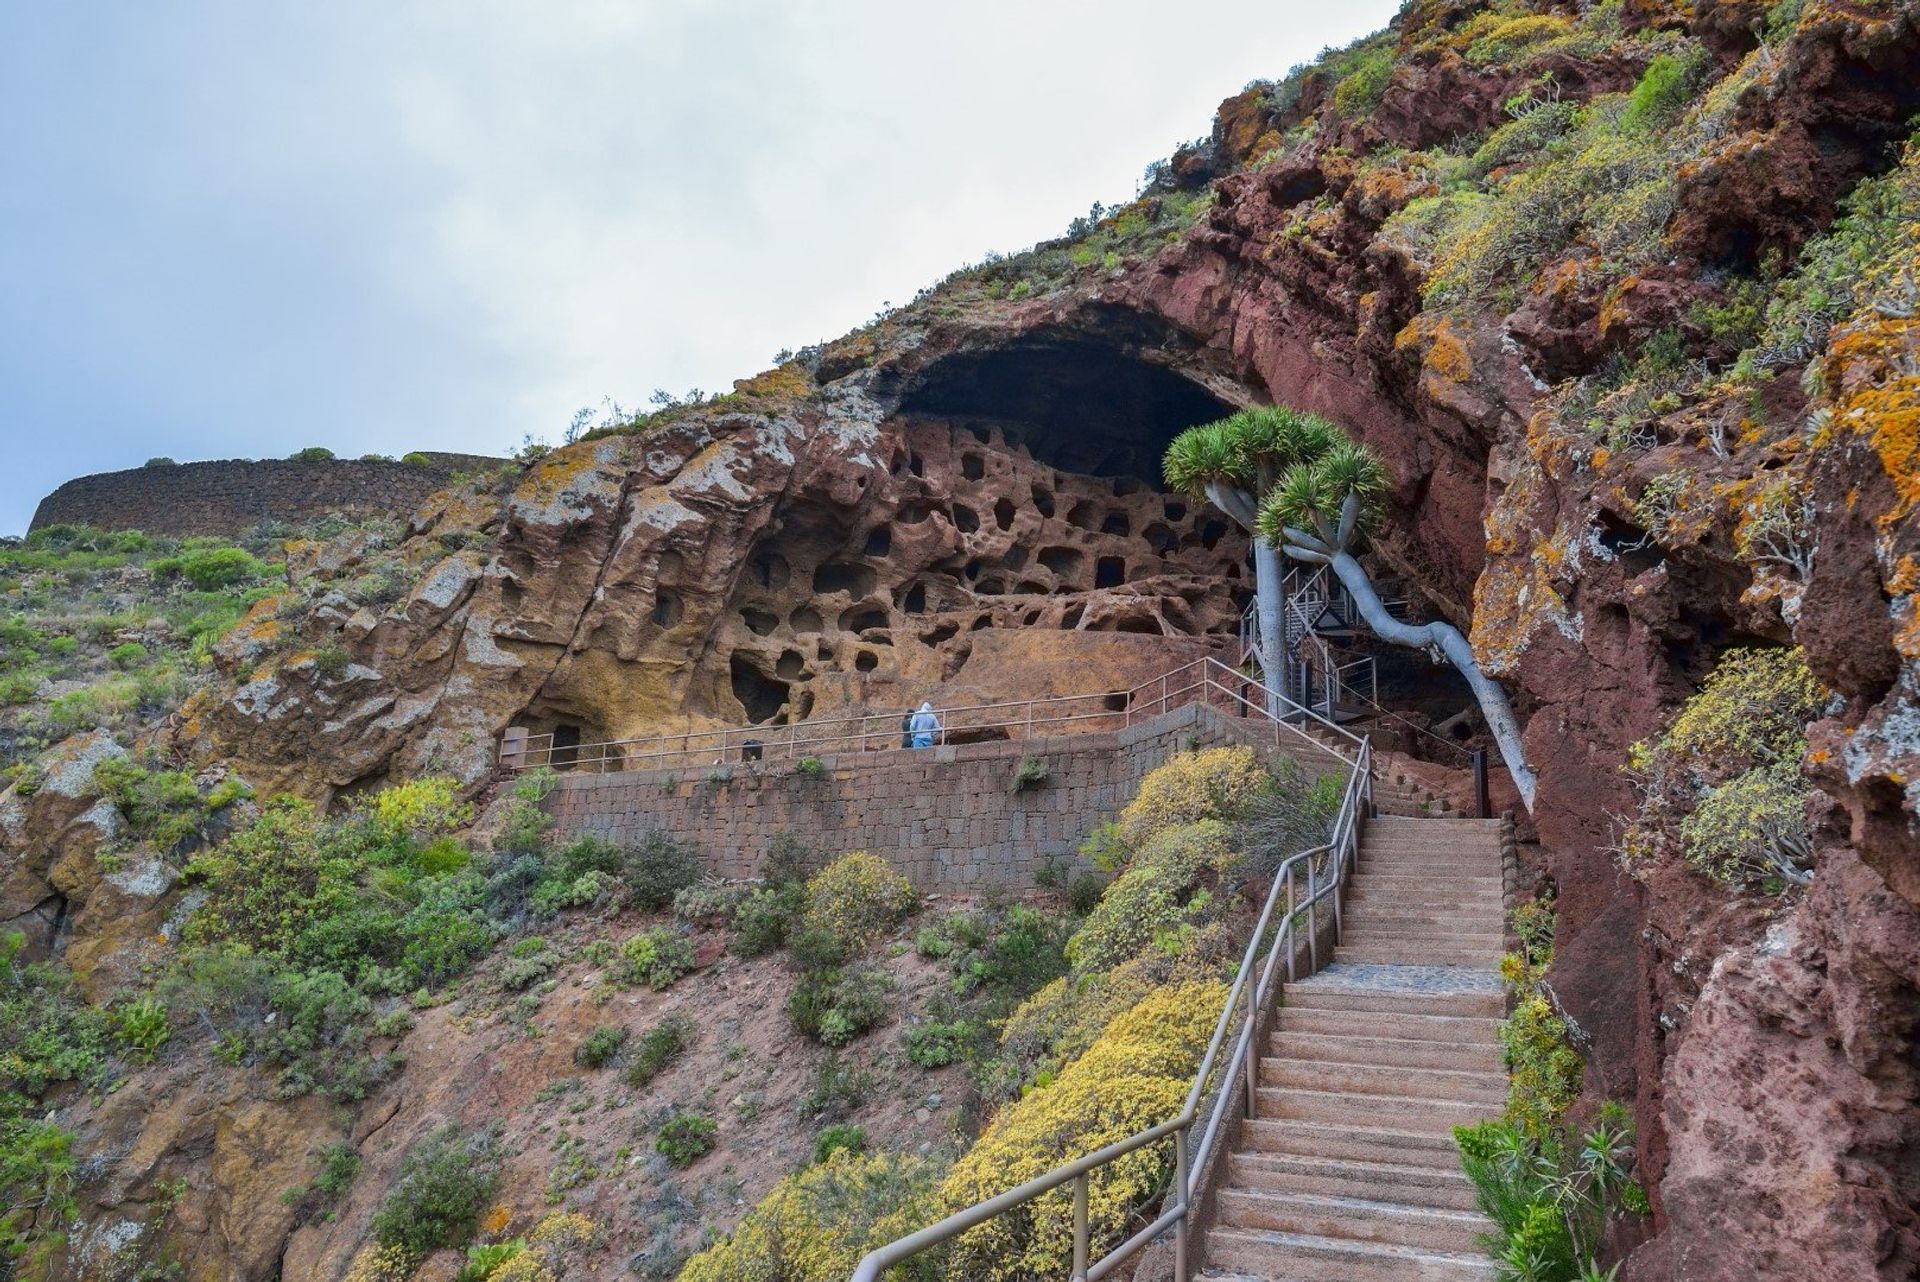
(1201, 681)
(1324, 870)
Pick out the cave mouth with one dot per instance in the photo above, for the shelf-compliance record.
(1075, 403)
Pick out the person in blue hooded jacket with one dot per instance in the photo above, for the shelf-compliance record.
(924, 726)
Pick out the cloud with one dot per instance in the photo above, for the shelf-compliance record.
(238, 230)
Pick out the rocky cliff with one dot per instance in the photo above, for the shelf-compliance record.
(1626, 296)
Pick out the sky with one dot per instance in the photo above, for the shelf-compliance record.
(233, 230)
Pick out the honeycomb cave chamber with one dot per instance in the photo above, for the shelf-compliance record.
(1019, 544)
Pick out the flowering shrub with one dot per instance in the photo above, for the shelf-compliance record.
(428, 806)
(1133, 1077)
(1159, 892)
(1543, 1069)
(815, 1225)
(1215, 784)
(856, 899)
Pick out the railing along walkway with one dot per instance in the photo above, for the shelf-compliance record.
(1287, 910)
(1205, 681)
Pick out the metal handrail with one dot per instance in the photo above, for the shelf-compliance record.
(1190, 1162)
(1195, 681)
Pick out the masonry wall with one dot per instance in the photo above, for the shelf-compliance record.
(945, 817)
(231, 496)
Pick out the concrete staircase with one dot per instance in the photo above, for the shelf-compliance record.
(1347, 1172)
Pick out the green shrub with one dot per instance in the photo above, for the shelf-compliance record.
(686, 1137)
(38, 1175)
(833, 1007)
(1551, 1201)
(838, 1089)
(856, 899)
(599, 1047)
(159, 460)
(658, 1047)
(339, 1166)
(935, 1045)
(529, 961)
(416, 459)
(1161, 890)
(656, 957)
(142, 1028)
(311, 454)
(711, 903)
(839, 1138)
(212, 569)
(1031, 773)
(658, 869)
(1365, 69)
(766, 918)
(47, 1034)
(127, 655)
(445, 1182)
(1669, 83)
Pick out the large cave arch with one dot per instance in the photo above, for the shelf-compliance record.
(1075, 402)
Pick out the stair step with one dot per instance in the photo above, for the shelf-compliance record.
(1450, 1030)
(1424, 901)
(1333, 1177)
(1416, 954)
(1353, 1219)
(1406, 1081)
(1413, 879)
(1295, 1137)
(1400, 1112)
(1319, 995)
(1295, 1257)
(1480, 1056)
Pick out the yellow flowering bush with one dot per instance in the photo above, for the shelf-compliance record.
(382, 1264)
(856, 899)
(1161, 891)
(815, 1225)
(1214, 784)
(429, 806)
(1134, 1076)
(1063, 1019)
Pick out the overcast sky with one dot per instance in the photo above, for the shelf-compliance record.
(234, 230)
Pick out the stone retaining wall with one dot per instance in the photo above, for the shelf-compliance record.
(231, 496)
(945, 817)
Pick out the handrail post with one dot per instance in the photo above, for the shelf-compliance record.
(1313, 919)
(1180, 1194)
(1482, 803)
(1080, 1227)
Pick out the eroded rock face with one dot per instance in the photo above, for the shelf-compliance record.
(851, 556)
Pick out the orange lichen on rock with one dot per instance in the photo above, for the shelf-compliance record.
(1873, 366)
(783, 382)
(1444, 358)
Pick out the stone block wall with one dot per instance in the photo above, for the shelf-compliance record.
(231, 496)
(945, 817)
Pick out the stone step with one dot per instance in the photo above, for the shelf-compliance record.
(1293, 1137)
(1397, 1112)
(1435, 900)
(1414, 953)
(1320, 995)
(1448, 1030)
(1353, 1219)
(1479, 1056)
(1412, 879)
(1371, 930)
(1477, 862)
(1333, 1177)
(1409, 1082)
(1292, 1257)
(1458, 825)
(1391, 917)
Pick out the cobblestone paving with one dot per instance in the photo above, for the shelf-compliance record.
(1405, 979)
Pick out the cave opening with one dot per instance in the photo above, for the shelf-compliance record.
(762, 697)
(1076, 403)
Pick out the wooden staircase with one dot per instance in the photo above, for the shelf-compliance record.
(1347, 1171)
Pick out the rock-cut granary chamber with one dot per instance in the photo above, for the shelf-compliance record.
(1014, 541)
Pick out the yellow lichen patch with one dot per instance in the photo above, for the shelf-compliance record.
(1443, 356)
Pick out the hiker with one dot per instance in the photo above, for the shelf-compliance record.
(906, 729)
(924, 725)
